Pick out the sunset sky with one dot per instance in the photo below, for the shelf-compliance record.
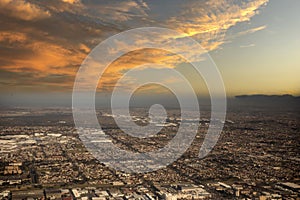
(255, 44)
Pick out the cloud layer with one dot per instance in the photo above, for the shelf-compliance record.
(44, 42)
(22, 10)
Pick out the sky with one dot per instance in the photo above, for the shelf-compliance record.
(255, 44)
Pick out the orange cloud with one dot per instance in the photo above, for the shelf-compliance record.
(132, 60)
(45, 61)
(71, 1)
(12, 37)
(253, 30)
(208, 23)
(46, 57)
(48, 50)
(22, 10)
(121, 11)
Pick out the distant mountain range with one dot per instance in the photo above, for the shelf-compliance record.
(285, 97)
(276, 102)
